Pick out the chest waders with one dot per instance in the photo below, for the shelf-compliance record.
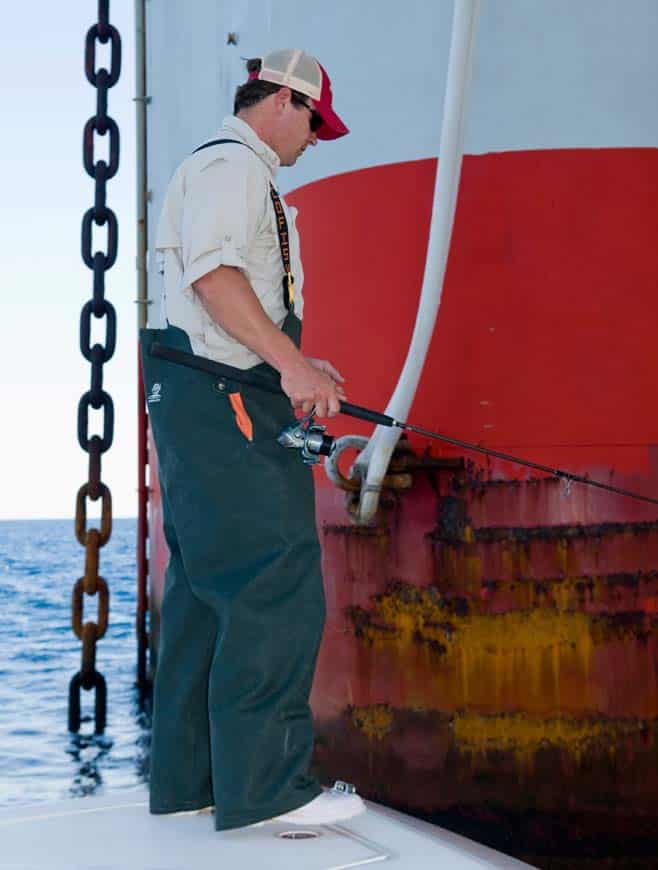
(243, 608)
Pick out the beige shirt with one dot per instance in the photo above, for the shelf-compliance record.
(218, 211)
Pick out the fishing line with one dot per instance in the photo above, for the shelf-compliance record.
(313, 441)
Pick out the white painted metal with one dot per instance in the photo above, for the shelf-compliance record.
(331, 463)
(373, 462)
(547, 75)
(140, 150)
(117, 833)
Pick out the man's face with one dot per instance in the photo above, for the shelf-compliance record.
(295, 134)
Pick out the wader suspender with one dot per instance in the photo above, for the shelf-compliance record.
(281, 228)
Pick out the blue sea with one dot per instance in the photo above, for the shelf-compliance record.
(40, 760)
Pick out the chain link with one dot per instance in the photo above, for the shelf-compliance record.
(94, 473)
(78, 606)
(97, 399)
(101, 32)
(105, 309)
(89, 636)
(92, 539)
(100, 217)
(92, 558)
(81, 531)
(92, 126)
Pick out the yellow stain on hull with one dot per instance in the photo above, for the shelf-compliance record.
(524, 736)
(375, 721)
(536, 660)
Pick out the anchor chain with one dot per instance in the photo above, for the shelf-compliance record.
(93, 539)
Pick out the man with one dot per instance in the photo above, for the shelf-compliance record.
(243, 609)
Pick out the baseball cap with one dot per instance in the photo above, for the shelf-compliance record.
(293, 68)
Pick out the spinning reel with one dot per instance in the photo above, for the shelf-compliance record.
(309, 437)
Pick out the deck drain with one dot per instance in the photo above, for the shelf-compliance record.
(299, 835)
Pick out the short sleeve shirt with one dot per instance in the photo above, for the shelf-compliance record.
(218, 211)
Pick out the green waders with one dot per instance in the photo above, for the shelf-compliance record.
(243, 607)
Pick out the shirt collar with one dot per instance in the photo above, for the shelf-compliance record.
(246, 134)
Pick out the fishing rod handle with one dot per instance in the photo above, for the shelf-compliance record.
(366, 414)
(260, 380)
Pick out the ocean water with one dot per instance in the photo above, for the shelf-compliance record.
(40, 760)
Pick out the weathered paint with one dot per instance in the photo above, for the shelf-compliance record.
(525, 736)
(538, 787)
(543, 659)
(374, 721)
(467, 666)
(481, 739)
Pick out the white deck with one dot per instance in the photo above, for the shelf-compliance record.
(116, 832)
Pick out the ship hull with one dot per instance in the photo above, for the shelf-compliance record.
(490, 655)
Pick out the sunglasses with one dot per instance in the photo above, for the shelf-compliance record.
(316, 117)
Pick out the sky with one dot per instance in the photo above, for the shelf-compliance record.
(45, 100)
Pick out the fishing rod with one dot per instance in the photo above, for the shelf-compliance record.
(313, 441)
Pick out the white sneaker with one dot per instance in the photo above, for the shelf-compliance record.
(201, 812)
(336, 805)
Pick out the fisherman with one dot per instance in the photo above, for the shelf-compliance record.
(243, 608)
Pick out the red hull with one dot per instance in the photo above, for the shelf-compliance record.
(546, 331)
(491, 645)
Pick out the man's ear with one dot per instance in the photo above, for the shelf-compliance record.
(281, 97)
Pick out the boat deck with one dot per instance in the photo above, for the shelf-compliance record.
(116, 832)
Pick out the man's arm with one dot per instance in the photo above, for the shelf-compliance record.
(231, 302)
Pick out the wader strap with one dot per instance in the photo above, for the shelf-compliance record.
(269, 383)
(281, 228)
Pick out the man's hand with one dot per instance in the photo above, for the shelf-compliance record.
(231, 302)
(325, 366)
(312, 383)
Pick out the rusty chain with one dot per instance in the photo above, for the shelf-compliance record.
(92, 539)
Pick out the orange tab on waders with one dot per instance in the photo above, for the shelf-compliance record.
(241, 417)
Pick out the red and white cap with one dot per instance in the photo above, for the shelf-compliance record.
(293, 68)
